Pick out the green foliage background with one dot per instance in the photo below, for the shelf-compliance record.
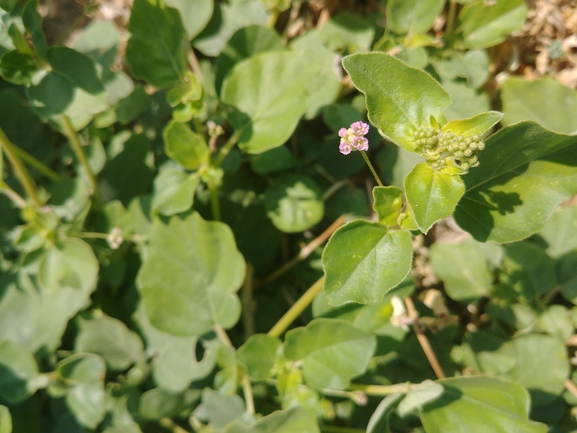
(169, 187)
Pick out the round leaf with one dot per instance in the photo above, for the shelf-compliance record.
(333, 351)
(363, 261)
(189, 276)
(294, 203)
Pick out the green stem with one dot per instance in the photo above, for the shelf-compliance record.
(298, 307)
(214, 203)
(18, 201)
(172, 426)
(375, 175)
(380, 390)
(246, 299)
(272, 18)
(245, 380)
(19, 169)
(451, 17)
(225, 150)
(79, 152)
(38, 165)
(94, 235)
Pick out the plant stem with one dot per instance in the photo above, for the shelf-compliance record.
(423, 341)
(451, 17)
(170, 424)
(304, 252)
(245, 380)
(225, 150)
(79, 152)
(19, 169)
(38, 165)
(272, 18)
(18, 201)
(214, 203)
(375, 175)
(247, 302)
(299, 306)
(380, 390)
(94, 235)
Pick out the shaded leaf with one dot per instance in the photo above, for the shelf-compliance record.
(18, 369)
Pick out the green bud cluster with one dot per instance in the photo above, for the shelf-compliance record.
(439, 147)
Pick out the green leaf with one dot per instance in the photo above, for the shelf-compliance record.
(195, 15)
(567, 276)
(473, 65)
(258, 354)
(158, 403)
(465, 101)
(560, 232)
(332, 351)
(277, 159)
(269, 91)
(32, 21)
(18, 370)
(379, 421)
(72, 88)
(399, 98)
(7, 5)
(127, 174)
(421, 394)
(556, 322)
(432, 194)
(463, 269)
(542, 367)
(529, 270)
(525, 172)
(412, 16)
(362, 261)
(292, 420)
(173, 190)
(488, 352)
(522, 100)
(469, 402)
(82, 378)
(475, 125)
(294, 203)
(5, 420)
(189, 276)
(111, 339)
(346, 32)
(246, 42)
(18, 68)
(387, 203)
(219, 409)
(226, 20)
(484, 25)
(323, 85)
(175, 361)
(71, 263)
(157, 49)
(185, 146)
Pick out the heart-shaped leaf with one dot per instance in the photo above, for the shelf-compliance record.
(189, 276)
(362, 261)
(332, 351)
(399, 98)
(525, 172)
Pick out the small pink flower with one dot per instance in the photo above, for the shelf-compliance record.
(353, 138)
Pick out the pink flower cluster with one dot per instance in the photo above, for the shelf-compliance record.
(353, 138)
